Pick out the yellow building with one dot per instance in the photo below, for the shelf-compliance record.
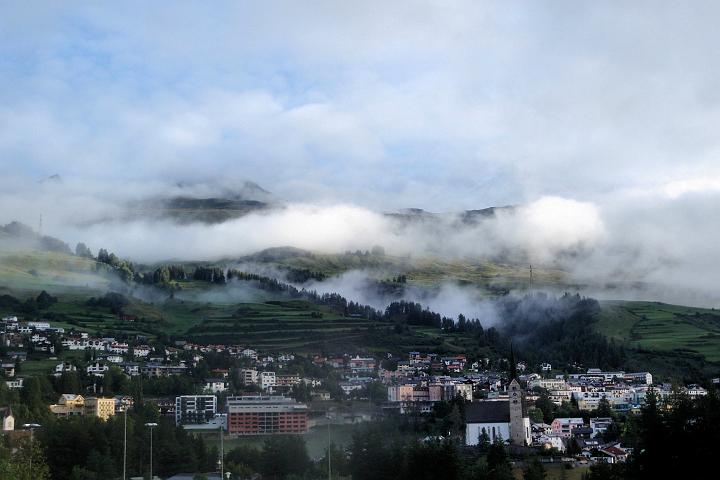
(102, 408)
(69, 405)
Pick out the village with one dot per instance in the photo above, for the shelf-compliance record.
(269, 393)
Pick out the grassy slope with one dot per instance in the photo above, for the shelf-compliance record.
(663, 327)
(37, 270)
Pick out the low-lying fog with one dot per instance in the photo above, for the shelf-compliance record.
(659, 245)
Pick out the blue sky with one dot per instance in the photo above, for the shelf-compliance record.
(439, 105)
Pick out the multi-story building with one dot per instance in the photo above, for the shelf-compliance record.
(262, 414)
(194, 409)
(248, 376)
(547, 383)
(565, 426)
(267, 380)
(363, 365)
(159, 370)
(102, 408)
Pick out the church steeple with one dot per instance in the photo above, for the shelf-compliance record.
(513, 364)
(519, 423)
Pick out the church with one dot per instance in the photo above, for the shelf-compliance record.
(500, 419)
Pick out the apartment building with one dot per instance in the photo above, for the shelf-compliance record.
(264, 414)
(195, 409)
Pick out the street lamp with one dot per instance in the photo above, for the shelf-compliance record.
(124, 477)
(151, 425)
(328, 417)
(221, 461)
(31, 427)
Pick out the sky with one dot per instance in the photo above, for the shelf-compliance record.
(442, 105)
(600, 120)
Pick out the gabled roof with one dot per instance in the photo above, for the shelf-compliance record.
(488, 411)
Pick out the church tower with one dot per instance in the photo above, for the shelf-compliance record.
(519, 421)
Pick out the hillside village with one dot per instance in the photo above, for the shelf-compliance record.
(254, 392)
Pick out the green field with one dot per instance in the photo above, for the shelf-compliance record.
(662, 327)
(37, 270)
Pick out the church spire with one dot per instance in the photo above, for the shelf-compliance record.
(513, 364)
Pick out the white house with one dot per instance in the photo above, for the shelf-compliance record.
(63, 367)
(141, 350)
(118, 348)
(98, 369)
(215, 385)
(15, 383)
(552, 441)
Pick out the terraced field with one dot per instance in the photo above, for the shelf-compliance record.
(663, 327)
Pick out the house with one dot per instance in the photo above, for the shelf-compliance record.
(113, 358)
(159, 370)
(349, 387)
(565, 426)
(15, 383)
(69, 405)
(696, 391)
(118, 348)
(98, 369)
(362, 365)
(64, 367)
(600, 424)
(618, 453)
(8, 369)
(8, 420)
(131, 368)
(141, 350)
(551, 441)
(215, 385)
(545, 367)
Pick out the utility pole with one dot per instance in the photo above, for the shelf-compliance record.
(31, 427)
(531, 275)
